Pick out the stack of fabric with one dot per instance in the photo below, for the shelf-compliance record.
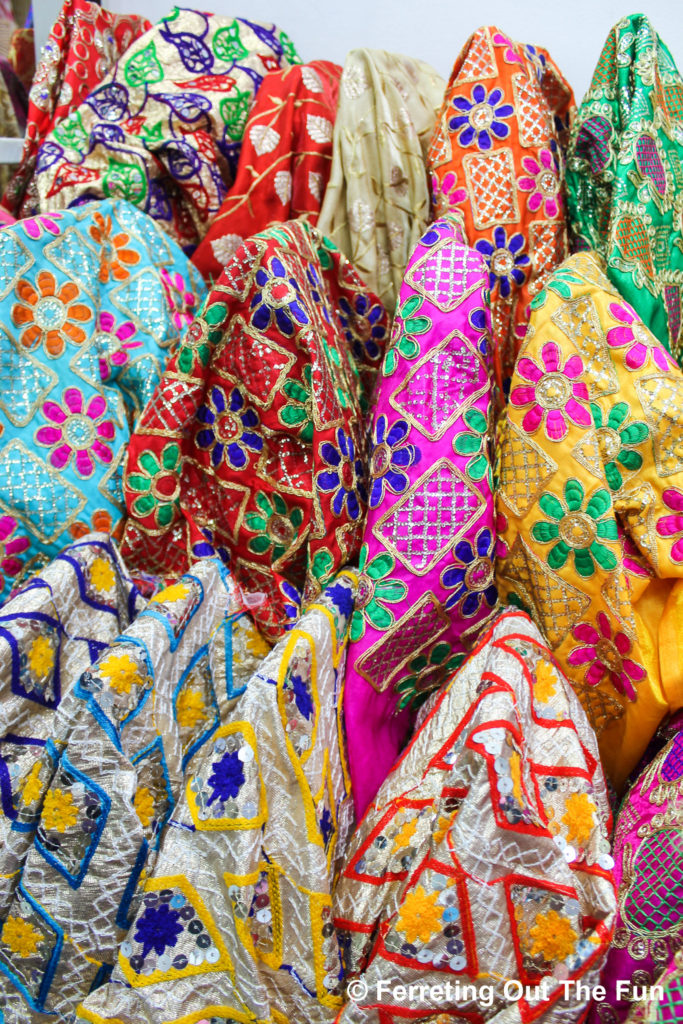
(341, 532)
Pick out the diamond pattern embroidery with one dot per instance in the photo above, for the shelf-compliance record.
(480, 61)
(415, 631)
(446, 274)
(38, 495)
(661, 396)
(525, 469)
(252, 356)
(421, 526)
(547, 242)
(72, 254)
(492, 186)
(24, 382)
(143, 298)
(534, 127)
(579, 320)
(15, 259)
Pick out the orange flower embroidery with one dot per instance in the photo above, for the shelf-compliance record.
(114, 253)
(50, 315)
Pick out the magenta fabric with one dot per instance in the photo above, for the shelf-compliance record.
(427, 586)
(648, 871)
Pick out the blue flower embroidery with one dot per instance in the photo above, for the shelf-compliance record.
(481, 117)
(302, 697)
(345, 476)
(505, 259)
(364, 326)
(471, 579)
(227, 777)
(391, 456)
(228, 428)
(280, 296)
(158, 928)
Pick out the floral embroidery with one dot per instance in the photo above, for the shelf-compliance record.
(281, 297)
(472, 578)
(391, 456)
(345, 476)
(228, 430)
(474, 442)
(368, 322)
(546, 681)
(578, 817)
(417, 686)
(174, 592)
(33, 787)
(116, 341)
(115, 258)
(554, 393)
(481, 117)
(406, 325)
(616, 440)
(375, 590)
(276, 525)
(420, 915)
(578, 530)
(298, 412)
(10, 547)
(227, 777)
(181, 301)
(120, 671)
(505, 259)
(41, 657)
(671, 526)
(542, 183)
(641, 344)
(553, 936)
(143, 802)
(447, 190)
(102, 576)
(561, 283)
(51, 315)
(73, 430)
(158, 485)
(59, 811)
(21, 937)
(157, 928)
(190, 709)
(44, 222)
(606, 653)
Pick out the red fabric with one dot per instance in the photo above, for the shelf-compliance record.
(83, 46)
(285, 161)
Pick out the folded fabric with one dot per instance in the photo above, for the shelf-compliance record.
(663, 1001)
(254, 440)
(625, 174)
(83, 46)
(496, 163)
(377, 202)
(591, 499)
(484, 861)
(648, 843)
(22, 55)
(91, 300)
(16, 92)
(92, 803)
(427, 583)
(284, 162)
(236, 920)
(164, 129)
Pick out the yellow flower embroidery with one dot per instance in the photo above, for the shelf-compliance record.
(420, 917)
(33, 786)
(121, 672)
(143, 801)
(102, 575)
(41, 657)
(405, 834)
(190, 709)
(579, 817)
(553, 936)
(176, 592)
(21, 937)
(256, 645)
(516, 776)
(442, 829)
(546, 681)
(59, 810)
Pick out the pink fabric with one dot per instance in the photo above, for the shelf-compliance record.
(6, 218)
(426, 588)
(648, 871)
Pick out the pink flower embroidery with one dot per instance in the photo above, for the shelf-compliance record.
(116, 343)
(510, 57)
(641, 343)
(553, 392)
(670, 526)
(542, 183)
(632, 558)
(73, 430)
(10, 547)
(181, 301)
(34, 226)
(446, 194)
(606, 652)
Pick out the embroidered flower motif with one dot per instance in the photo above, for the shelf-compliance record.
(302, 697)
(157, 928)
(44, 222)
(10, 547)
(143, 802)
(277, 525)
(553, 936)
(114, 342)
(505, 259)
(420, 915)
(364, 326)
(578, 530)
(546, 681)
(426, 672)
(41, 657)
(542, 183)
(298, 412)
(157, 484)
(606, 652)
(391, 456)
(102, 576)
(344, 477)
(471, 578)
(21, 937)
(228, 428)
(672, 526)
(481, 117)
(100, 521)
(59, 811)
(33, 786)
(174, 592)
(75, 431)
(190, 709)
(181, 301)
(617, 439)
(405, 834)
(207, 547)
(227, 777)
(561, 283)
(120, 671)
(280, 297)
(115, 258)
(51, 315)
(473, 445)
(554, 393)
(375, 591)
(408, 322)
(641, 344)
(578, 817)
(446, 194)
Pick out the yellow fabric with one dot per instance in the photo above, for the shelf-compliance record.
(591, 504)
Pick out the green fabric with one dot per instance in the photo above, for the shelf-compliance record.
(625, 174)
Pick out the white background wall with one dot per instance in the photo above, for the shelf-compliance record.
(572, 30)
